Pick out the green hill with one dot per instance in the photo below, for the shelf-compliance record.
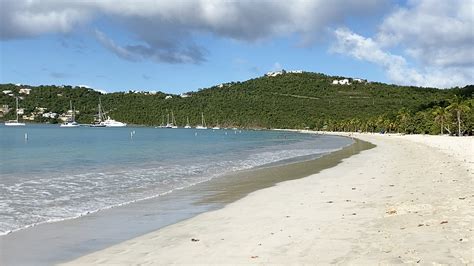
(290, 100)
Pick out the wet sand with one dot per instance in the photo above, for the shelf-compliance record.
(408, 200)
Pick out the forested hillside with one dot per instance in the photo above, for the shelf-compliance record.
(290, 100)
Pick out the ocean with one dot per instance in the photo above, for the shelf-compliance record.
(57, 173)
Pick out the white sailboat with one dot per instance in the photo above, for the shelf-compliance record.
(98, 122)
(203, 123)
(15, 123)
(187, 123)
(72, 122)
(173, 121)
(162, 125)
(107, 122)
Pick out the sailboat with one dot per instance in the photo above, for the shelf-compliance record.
(71, 122)
(162, 125)
(203, 123)
(98, 122)
(173, 121)
(187, 123)
(107, 122)
(15, 123)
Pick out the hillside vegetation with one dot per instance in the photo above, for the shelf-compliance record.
(291, 100)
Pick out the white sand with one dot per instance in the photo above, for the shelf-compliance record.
(408, 200)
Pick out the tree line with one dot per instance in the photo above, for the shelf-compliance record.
(292, 100)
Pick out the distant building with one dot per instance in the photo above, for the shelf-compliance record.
(64, 118)
(295, 71)
(40, 110)
(29, 117)
(360, 80)
(7, 91)
(4, 110)
(25, 90)
(184, 95)
(50, 115)
(274, 73)
(341, 82)
(20, 111)
(168, 97)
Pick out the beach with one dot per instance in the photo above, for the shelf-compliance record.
(408, 200)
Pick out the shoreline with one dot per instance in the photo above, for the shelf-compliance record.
(282, 163)
(405, 201)
(76, 233)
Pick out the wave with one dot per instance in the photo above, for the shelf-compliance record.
(65, 197)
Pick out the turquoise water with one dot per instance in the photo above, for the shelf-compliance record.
(62, 173)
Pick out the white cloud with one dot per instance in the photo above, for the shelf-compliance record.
(436, 39)
(164, 31)
(19, 19)
(397, 68)
(439, 33)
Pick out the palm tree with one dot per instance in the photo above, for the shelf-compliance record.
(458, 106)
(441, 115)
(403, 118)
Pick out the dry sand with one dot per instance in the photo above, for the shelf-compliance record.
(408, 200)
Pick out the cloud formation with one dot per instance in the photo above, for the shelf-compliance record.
(436, 37)
(424, 42)
(164, 31)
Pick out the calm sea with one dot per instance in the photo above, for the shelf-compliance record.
(62, 173)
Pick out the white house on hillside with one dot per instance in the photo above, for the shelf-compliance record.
(341, 82)
(25, 90)
(274, 73)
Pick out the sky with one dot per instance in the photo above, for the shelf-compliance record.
(177, 46)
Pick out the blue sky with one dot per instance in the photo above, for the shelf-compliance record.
(179, 46)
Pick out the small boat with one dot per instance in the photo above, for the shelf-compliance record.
(173, 121)
(112, 123)
(72, 122)
(187, 123)
(217, 126)
(15, 123)
(203, 123)
(69, 124)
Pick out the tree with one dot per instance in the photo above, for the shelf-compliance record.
(403, 117)
(441, 115)
(458, 106)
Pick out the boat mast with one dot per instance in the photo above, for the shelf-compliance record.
(100, 110)
(72, 114)
(173, 120)
(16, 109)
